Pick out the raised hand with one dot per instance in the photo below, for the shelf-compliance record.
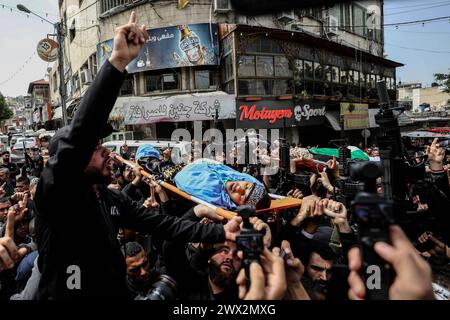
(266, 283)
(128, 41)
(413, 274)
(9, 254)
(436, 156)
(310, 208)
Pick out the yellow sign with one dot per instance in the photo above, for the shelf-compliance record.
(182, 4)
(356, 115)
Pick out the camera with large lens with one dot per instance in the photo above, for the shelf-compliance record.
(165, 288)
(249, 240)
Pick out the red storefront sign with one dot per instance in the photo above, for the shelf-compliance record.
(264, 114)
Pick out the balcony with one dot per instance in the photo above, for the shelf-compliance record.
(112, 7)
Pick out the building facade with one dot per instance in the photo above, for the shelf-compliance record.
(207, 62)
(39, 92)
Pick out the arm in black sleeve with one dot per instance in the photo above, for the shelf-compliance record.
(167, 227)
(76, 147)
(133, 192)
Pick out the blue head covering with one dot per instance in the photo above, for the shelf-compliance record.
(207, 181)
(147, 151)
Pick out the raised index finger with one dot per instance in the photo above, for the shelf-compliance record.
(9, 231)
(132, 17)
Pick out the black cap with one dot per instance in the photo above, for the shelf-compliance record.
(64, 131)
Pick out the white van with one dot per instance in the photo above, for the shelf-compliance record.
(180, 149)
(3, 143)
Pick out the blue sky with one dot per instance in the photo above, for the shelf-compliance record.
(19, 36)
(432, 36)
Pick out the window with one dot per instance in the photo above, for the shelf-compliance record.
(298, 65)
(264, 66)
(328, 73)
(282, 68)
(246, 66)
(162, 80)
(263, 45)
(54, 81)
(205, 79)
(127, 86)
(344, 76)
(308, 69)
(318, 71)
(335, 74)
(344, 17)
(72, 31)
(359, 20)
(92, 64)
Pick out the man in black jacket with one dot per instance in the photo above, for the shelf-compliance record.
(78, 216)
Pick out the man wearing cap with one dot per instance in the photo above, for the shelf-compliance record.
(78, 216)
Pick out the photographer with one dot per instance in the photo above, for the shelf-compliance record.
(140, 274)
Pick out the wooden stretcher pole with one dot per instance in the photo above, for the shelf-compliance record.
(221, 212)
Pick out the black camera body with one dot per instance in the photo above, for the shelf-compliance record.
(249, 240)
(373, 214)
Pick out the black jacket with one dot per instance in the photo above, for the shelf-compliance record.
(76, 226)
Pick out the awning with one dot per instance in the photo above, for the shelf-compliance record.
(333, 119)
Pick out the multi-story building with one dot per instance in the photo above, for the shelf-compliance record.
(207, 61)
(40, 102)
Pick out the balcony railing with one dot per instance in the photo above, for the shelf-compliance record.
(114, 6)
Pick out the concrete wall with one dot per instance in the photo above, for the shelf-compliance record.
(434, 96)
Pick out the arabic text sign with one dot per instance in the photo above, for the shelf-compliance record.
(176, 109)
(169, 48)
(356, 115)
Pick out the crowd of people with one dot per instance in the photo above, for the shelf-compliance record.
(130, 238)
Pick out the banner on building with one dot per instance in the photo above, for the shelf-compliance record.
(356, 115)
(141, 110)
(172, 47)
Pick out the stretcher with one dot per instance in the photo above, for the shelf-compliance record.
(277, 202)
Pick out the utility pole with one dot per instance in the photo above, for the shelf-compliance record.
(59, 35)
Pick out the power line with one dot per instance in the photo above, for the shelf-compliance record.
(418, 49)
(417, 5)
(80, 11)
(12, 76)
(413, 10)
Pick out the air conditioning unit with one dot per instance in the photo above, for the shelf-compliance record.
(286, 16)
(332, 26)
(222, 6)
(296, 26)
(86, 76)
